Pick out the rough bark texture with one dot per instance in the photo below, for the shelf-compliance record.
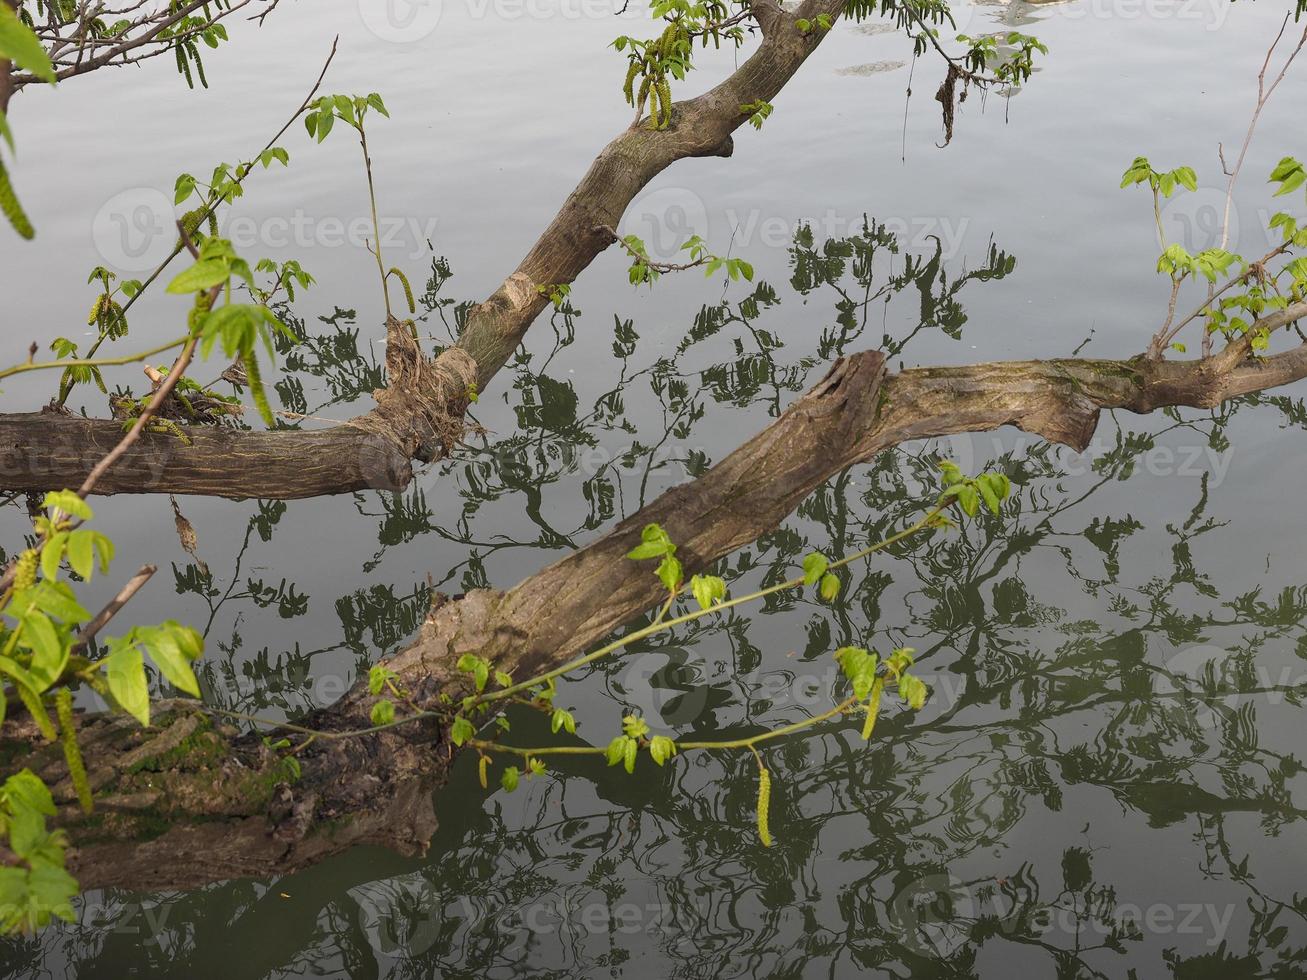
(191, 802)
(415, 415)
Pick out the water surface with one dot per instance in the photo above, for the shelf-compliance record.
(1105, 780)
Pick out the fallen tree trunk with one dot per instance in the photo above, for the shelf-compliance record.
(419, 412)
(191, 801)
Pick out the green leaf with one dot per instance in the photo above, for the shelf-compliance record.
(708, 590)
(183, 188)
(172, 647)
(54, 599)
(661, 748)
(383, 712)
(204, 274)
(969, 500)
(562, 719)
(461, 730)
(52, 553)
(125, 670)
(913, 691)
(508, 779)
(670, 573)
(949, 473)
(616, 750)
(22, 47)
(49, 650)
(814, 567)
(1290, 175)
(81, 552)
(24, 790)
(830, 587)
(69, 503)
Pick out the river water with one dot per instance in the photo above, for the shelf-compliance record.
(1105, 779)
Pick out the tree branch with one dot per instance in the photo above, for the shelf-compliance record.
(229, 807)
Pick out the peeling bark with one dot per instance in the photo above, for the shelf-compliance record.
(190, 802)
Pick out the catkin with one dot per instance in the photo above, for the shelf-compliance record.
(184, 66)
(25, 572)
(408, 290)
(665, 95)
(95, 309)
(10, 207)
(873, 708)
(764, 805)
(628, 87)
(37, 710)
(63, 707)
(484, 765)
(256, 385)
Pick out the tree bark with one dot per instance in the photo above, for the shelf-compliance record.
(418, 415)
(190, 801)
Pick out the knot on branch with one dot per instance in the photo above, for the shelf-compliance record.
(422, 408)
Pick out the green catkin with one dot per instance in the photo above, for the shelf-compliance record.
(628, 87)
(408, 290)
(198, 311)
(665, 95)
(115, 323)
(37, 711)
(95, 309)
(11, 209)
(873, 707)
(256, 385)
(484, 765)
(25, 572)
(184, 66)
(764, 805)
(63, 707)
(199, 68)
(644, 94)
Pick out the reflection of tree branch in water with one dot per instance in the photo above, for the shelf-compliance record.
(999, 766)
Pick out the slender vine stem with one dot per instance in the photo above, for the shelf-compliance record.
(708, 746)
(92, 361)
(657, 627)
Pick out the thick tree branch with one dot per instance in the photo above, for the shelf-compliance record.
(191, 802)
(418, 416)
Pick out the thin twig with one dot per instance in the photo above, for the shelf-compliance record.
(101, 619)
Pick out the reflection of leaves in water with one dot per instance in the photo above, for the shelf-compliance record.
(955, 839)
